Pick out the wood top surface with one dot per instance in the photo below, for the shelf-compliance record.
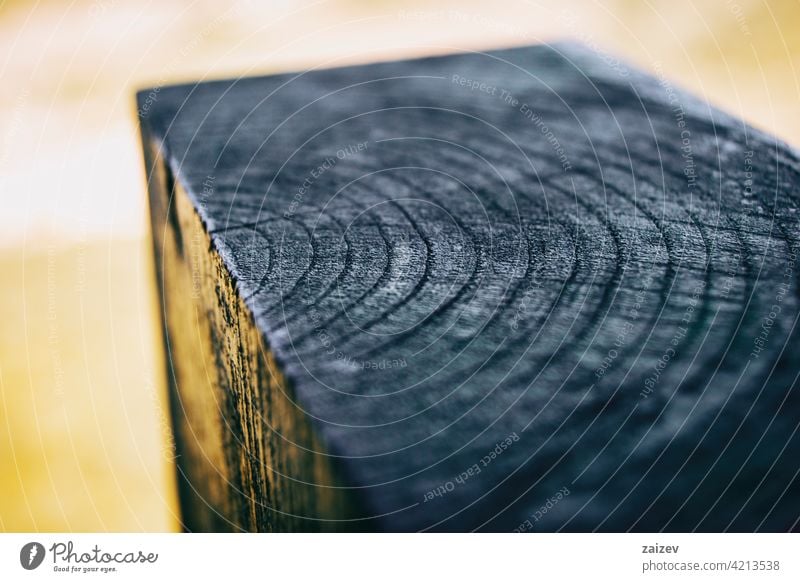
(526, 289)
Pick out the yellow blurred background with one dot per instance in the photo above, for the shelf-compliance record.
(85, 442)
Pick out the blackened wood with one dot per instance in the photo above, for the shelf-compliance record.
(530, 290)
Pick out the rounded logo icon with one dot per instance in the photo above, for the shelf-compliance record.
(31, 555)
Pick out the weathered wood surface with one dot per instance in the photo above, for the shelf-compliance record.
(524, 290)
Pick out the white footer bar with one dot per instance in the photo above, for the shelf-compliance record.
(402, 557)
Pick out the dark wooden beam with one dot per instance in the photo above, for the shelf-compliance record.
(528, 290)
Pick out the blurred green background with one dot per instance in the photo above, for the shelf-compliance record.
(85, 442)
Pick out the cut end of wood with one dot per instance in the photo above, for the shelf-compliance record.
(526, 290)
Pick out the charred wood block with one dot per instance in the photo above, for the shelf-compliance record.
(526, 290)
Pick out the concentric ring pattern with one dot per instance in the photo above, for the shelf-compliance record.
(521, 290)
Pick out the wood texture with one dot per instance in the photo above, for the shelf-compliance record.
(527, 290)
